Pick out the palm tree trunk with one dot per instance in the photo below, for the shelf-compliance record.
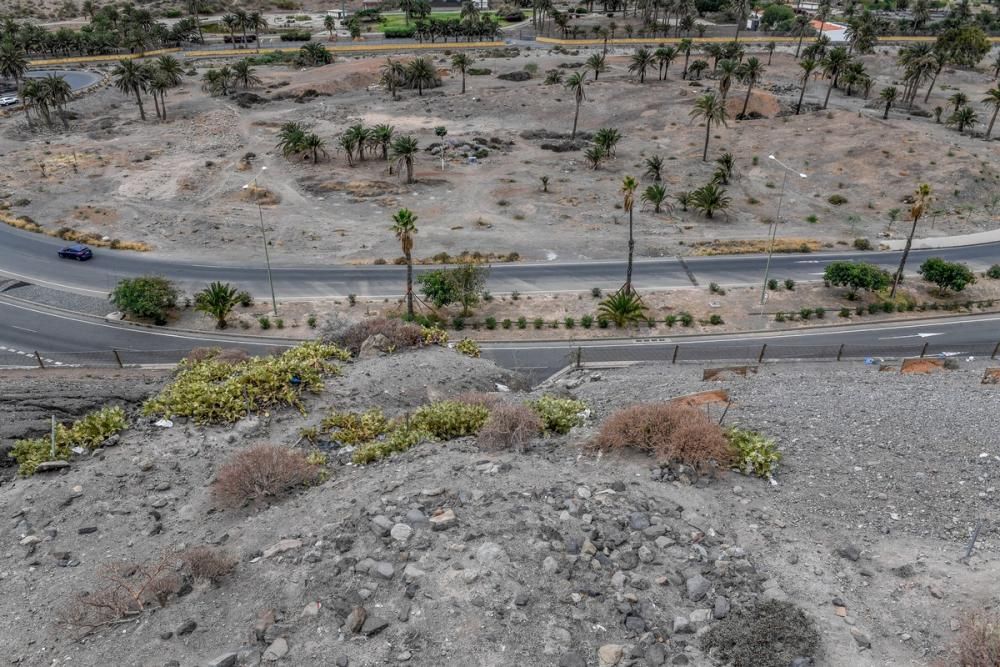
(826, 100)
(885, 116)
(769, 54)
(933, 80)
(576, 117)
(163, 104)
(802, 94)
(739, 24)
(631, 248)
(902, 262)
(409, 286)
(746, 100)
(687, 56)
(989, 130)
(138, 99)
(156, 103)
(409, 170)
(463, 81)
(708, 132)
(798, 48)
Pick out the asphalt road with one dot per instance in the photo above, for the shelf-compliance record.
(76, 79)
(32, 258)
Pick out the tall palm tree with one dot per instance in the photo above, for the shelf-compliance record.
(629, 185)
(697, 67)
(664, 56)
(888, 95)
(462, 62)
(801, 23)
(330, 24)
(596, 64)
(245, 75)
(13, 61)
(393, 75)
(242, 22)
(132, 79)
(58, 93)
(727, 72)
(157, 86)
(256, 22)
(769, 47)
(750, 73)
(232, 23)
(921, 198)
(712, 109)
(420, 72)
(575, 84)
(685, 47)
(404, 149)
(404, 227)
(808, 66)
(642, 60)
(833, 65)
(217, 300)
(655, 194)
(992, 99)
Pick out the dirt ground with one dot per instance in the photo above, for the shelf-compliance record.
(178, 185)
(863, 530)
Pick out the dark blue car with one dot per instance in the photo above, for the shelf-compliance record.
(76, 251)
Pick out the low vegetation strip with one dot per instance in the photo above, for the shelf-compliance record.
(97, 59)
(72, 235)
(352, 48)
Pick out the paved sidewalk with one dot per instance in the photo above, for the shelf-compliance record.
(945, 241)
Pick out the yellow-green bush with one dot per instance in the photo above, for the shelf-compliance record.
(90, 432)
(558, 415)
(434, 336)
(447, 420)
(351, 428)
(755, 454)
(468, 347)
(401, 438)
(211, 391)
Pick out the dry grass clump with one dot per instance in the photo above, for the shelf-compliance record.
(206, 563)
(978, 641)
(510, 426)
(73, 235)
(259, 195)
(672, 433)
(260, 472)
(483, 399)
(400, 334)
(745, 246)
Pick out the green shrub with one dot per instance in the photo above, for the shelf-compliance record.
(820, 313)
(399, 439)
(837, 200)
(265, 322)
(280, 323)
(506, 323)
(211, 391)
(779, 316)
(755, 454)
(468, 347)
(888, 307)
(587, 321)
(89, 432)
(245, 299)
(296, 36)
(29, 454)
(993, 272)
(715, 289)
(538, 323)
(715, 319)
(352, 428)
(845, 312)
(311, 321)
(400, 32)
(687, 319)
(670, 320)
(595, 292)
(491, 323)
(805, 313)
(789, 284)
(458, 323)
(772, 284)
(569, 322)
(145, 297)
(862, 244)
(447, 420)
(602, 322)
(522, 322)
(873, 308)
(558, 415)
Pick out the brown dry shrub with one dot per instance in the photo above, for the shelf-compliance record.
(510, 426)
(672, 433)
(480, 398)
(262, 471)
(401, 334)
(978, 641)
(206, 563)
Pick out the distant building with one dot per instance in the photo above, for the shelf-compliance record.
(371, 4)
(835, 31)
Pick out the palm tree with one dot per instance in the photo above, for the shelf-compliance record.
(158, 86)
(594, 155)
(330, 24)
(726, 169)
(623, 308)
(750, 73)
(992, 99)
(595, 63)
(888, 95)
(256, 22)
(642, 60)
(808, 66)
(313, 143)
(170, 68)
(132, 79)
(697, 67)
(654, 168)
(217, 300)
(801, 23)
(244, 75)
(13, 61)
(921, 198)
(420, 72)
(382, 136)
(232, 24)
(607, 139)
(462, 62)
(242, 22)
(575, 84)
(769, 47)
(314, 54)
(742, 9)
(833, 64)
(404, 149)
(712, 109)
(684, 199)
(404, 227)
(959, 100)
(727, 72)
(710, 198)
(393, 74)
(656, 195)
(348, 142)
(291, 138)
(963, 118)
(629, 185)
(58, 93)
(685, 47)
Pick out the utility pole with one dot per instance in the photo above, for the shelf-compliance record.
(774, 225)
(263, 235)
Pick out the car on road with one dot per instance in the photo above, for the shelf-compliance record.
(76, 251)
(8, 100)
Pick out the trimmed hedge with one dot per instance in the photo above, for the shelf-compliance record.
(404, 32)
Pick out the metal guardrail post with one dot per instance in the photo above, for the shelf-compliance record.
(923, 351)
(38, 357)
(677, 348)
(118, 359)
(579, 356)
(995, 351)
(763, 349)
(840, 351)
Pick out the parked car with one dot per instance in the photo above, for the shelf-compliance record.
(9, 100)
(76, 251)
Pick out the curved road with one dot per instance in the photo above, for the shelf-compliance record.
(76, 79)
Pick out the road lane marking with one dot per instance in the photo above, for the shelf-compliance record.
(14, 326)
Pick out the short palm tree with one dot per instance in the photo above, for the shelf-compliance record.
(393, 75)
(712, 109)
(623, 308)
(963, 118)
(404, 150)
(291, 138)
(348, 142)
(808, 66)
(596, 64)
(404, 227)
(330, 24)
(727, 73)
(629, 186)
(959, 100)
(382, 136)
(709, 198)
(132, 79)
(992, 99)
(244, 75)
(575, 84)
(654, 168)
(314, 54)
(594, 155)
(420, 73)
(697, 67)
(315, 145)
(769, 47)
(607, 139)
(726, 168)
(462, 62)
(888, 95)
(656, 195)
(642, 60)
(684, 199)
(750, 73)
(217, 300)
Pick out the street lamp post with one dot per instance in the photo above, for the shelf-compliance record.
(774, 225)
(263, 235)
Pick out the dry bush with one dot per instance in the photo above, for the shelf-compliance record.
(206, 563)
(978, 641)
(672, 433)
(262, 471)
(480, 398)
(126, 590)
(401, 334)
(510, 426)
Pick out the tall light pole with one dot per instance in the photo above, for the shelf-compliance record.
(252, 186)
(774, 225)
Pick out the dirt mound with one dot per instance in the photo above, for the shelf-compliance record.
(922, 366)
(762, 104)
(339, 77)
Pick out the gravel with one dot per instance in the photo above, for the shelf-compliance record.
(47, 296)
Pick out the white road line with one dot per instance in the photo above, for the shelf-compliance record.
(14, 326)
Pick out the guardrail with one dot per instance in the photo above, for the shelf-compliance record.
(114, 358)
